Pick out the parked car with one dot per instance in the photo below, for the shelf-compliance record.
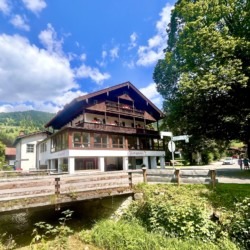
(228, 161)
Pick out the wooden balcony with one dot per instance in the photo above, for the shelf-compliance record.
(124, 109)
(116, 129)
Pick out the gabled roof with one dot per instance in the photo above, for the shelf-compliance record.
(126, 91)
(18, 138)
(10, 151)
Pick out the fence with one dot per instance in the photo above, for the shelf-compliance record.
(34, 191)
(180, 176)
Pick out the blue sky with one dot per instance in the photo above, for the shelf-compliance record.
(53, 51)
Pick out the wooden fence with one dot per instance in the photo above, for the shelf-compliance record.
(34, 191)
(180, 176)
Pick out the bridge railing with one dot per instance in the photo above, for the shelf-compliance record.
(26, 192)
(180, 176)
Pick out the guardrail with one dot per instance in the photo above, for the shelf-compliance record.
(180, 176)
(34, 191)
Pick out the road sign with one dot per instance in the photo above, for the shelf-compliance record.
(181, 138)
(171, 146)
(164, 133)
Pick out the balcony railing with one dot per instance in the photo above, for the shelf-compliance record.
(115, 128)
(115, 146)
(124, 109)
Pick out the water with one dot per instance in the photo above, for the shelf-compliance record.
(20, 225)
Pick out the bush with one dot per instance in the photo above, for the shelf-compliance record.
(207, 157)
(181, 221)
(240, 224)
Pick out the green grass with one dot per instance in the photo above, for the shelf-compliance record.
(131, 233)
(124, 235)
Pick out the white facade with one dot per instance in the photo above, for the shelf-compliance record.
(26, 151)
(53, 160)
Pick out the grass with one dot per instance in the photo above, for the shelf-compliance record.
(124, 235)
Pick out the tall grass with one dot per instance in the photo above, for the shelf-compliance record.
(123, 235)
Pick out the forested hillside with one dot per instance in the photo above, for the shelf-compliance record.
(27, 121)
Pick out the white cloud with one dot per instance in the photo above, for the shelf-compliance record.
(49, 40)
(35, 5)
(151, 93)
(4, 6)
(153, 51)
(103, 61)
(20, 22)
(130, 65)
(85, 71)
(114, 53)
(29, 74)
(83, 57)
(133, 38)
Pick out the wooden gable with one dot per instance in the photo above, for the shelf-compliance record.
(121, 93)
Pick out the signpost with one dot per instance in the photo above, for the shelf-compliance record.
(171, 144)
(181, 138)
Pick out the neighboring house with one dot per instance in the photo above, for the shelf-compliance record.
(26, 150)
(107, 130)
(10, 156)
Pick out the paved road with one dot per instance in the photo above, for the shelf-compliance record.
(226, 173)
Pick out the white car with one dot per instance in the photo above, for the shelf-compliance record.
(228, 161)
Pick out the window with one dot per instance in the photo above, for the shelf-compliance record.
(81, 139)
(77, 139)
(117, 141)
(30, 148)
(100, 141)
(43, 147)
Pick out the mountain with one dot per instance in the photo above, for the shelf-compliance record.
(12, 123)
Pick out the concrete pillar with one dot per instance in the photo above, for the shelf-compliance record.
(101, 164)
(125, 163)
(145, 161)
(153, 162)
(162, 161)
(52, 164)
(60, 161)
(71, 165)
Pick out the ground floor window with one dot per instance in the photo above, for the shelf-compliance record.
(135, 162)
(113, 163)
(86, 163)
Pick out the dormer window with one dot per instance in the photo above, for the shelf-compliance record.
(95, 101)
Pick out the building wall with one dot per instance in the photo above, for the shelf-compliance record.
(43, 157)
(27, 160)
(18, 155)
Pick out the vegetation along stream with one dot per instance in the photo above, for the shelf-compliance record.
(20, 225)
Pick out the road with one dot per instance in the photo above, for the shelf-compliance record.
(226, 173)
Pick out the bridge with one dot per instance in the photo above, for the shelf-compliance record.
(31, 191)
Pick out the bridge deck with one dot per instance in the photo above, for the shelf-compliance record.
(35, 191)
(27, 192)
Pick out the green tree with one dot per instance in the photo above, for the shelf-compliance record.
(204, 76)
(2, 154)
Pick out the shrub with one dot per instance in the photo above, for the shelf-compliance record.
(181, 221)
(45, 231)
(240, 224)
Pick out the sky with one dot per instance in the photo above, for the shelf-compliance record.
(54, 51)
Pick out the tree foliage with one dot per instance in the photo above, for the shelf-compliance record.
(204, 77)
(27, 121)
